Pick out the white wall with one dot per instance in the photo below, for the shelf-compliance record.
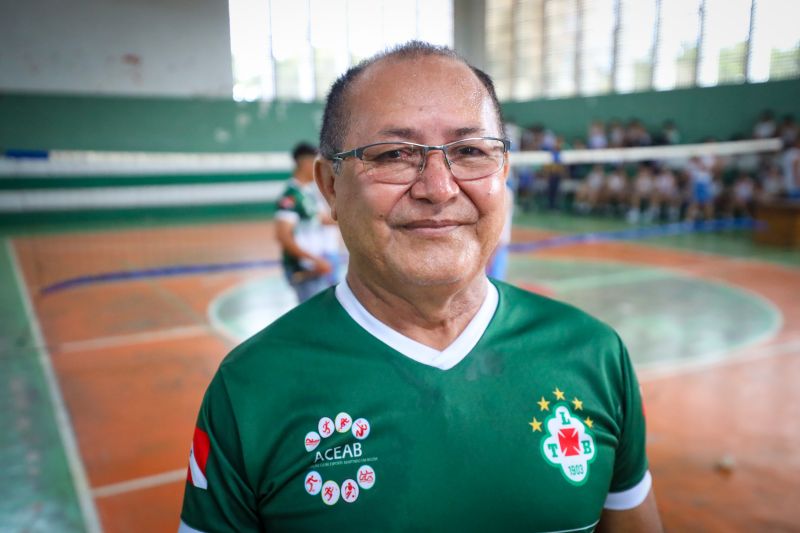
(119, 47)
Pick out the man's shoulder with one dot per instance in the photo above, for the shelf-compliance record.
(299, 329)
(523, 305)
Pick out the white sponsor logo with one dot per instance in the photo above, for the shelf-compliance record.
(313, 483)
(312, 441)
(366, 477)
(345, 453)
(325, 427)
(361, 429)
(348, 451)
(330, 492)
(349, 490)
(343, 422)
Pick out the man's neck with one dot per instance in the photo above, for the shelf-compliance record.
(433, 316)
(303, 179)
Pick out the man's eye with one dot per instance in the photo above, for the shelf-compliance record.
(396, 154)
(469, 151)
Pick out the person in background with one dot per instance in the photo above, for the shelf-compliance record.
(591, 191)
(642, 193)
(743, 196)
(765, 128)
(669, 133)
(789, 131)
(597, 135)
(666, 195)
(299, 228)
(498, 262)
(791, 171)
(701, 183)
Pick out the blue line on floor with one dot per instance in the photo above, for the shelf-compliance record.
(161, 272)
(678, 228)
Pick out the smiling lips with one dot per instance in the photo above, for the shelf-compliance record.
(428, 227)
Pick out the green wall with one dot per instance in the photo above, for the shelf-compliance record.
(31, 121)
(50, 122)
(721, 112)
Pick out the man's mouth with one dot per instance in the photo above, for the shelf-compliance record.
(428, 223)
(430, 227)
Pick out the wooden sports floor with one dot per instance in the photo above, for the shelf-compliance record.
(104, 375)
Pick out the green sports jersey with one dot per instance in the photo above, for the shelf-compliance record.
(318, 424)
(299, 205)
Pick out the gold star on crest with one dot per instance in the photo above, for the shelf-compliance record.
(578, 404)
(535, 424)
(589, 421)
(558, 394)
(544, 405)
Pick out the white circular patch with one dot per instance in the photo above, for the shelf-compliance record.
(313, 483)
(325, 427)
(330, 492)
(361, 429)
(343, 422)
(312, 440)
(366, 477)
(349, 490)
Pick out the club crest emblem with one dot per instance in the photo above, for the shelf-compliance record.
(567, 441)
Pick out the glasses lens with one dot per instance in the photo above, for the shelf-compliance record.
(392, 162)
(471, 159)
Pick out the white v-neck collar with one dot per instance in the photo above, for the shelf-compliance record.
(444, 359)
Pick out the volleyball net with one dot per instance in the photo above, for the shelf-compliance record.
(35, 181)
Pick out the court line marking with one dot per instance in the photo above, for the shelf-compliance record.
(650, 272)
(69, 442)
(748, 354)
(116, 341)
(140, 483)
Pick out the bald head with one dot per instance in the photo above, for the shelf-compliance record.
(336, 119)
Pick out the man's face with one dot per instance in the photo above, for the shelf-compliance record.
(436, 230)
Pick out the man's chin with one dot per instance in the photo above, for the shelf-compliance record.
(431, 275)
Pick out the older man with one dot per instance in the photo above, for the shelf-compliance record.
(423, 396)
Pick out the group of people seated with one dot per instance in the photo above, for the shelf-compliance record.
(700, 187)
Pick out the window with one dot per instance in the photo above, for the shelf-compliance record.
(726, 29)
(775, 41)
(679, 33)
(295, 49)
(597, 47)
(561, 31)
(637, 23)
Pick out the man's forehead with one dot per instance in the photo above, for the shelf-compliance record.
(394, 85)
(405, 75)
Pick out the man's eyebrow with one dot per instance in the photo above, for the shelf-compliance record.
(463, 132)
(410, 133)
(400, 133)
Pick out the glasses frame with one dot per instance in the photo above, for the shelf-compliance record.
(358, 153)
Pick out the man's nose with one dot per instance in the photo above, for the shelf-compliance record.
(436, 182)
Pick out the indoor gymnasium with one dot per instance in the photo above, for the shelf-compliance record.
(145, 152)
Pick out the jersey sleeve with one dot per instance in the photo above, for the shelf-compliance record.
(288, 207)
(218, 496)
(631, 480)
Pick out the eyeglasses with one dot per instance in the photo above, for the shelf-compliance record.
(402, 162)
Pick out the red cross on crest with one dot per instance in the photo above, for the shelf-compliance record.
(568, 441)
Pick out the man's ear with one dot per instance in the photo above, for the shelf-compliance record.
(326, 178)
